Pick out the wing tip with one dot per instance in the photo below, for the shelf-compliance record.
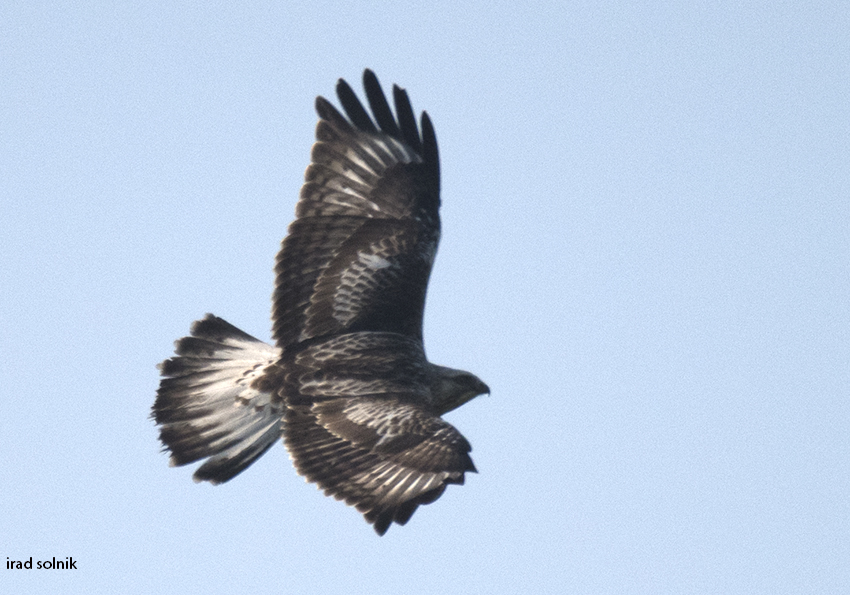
(402, 126)
(382, 518)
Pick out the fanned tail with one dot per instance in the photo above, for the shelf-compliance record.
(209, 405)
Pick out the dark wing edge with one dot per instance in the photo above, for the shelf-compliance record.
(208, 405)
(381, 455)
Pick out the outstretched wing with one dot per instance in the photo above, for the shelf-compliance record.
(358, 426)
(359, 253)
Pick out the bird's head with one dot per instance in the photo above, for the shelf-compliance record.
(452, 388)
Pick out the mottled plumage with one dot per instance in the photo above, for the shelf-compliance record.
(347, 385)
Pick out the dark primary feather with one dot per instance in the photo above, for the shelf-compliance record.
(353, 108)
(379, 105)
(348, 384)
(406, 119)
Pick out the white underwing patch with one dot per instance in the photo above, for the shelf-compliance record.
(373, 261)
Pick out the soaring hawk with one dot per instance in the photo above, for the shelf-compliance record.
(347, 384)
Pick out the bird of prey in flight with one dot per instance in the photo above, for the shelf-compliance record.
(346, 384)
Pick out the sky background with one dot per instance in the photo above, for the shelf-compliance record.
(645, 254)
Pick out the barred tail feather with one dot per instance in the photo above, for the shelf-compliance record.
(208, 405)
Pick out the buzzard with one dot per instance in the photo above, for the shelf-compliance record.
(347, 384)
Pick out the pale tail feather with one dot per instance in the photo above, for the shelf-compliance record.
(206, 407)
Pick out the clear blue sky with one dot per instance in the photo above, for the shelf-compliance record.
(646, 255)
